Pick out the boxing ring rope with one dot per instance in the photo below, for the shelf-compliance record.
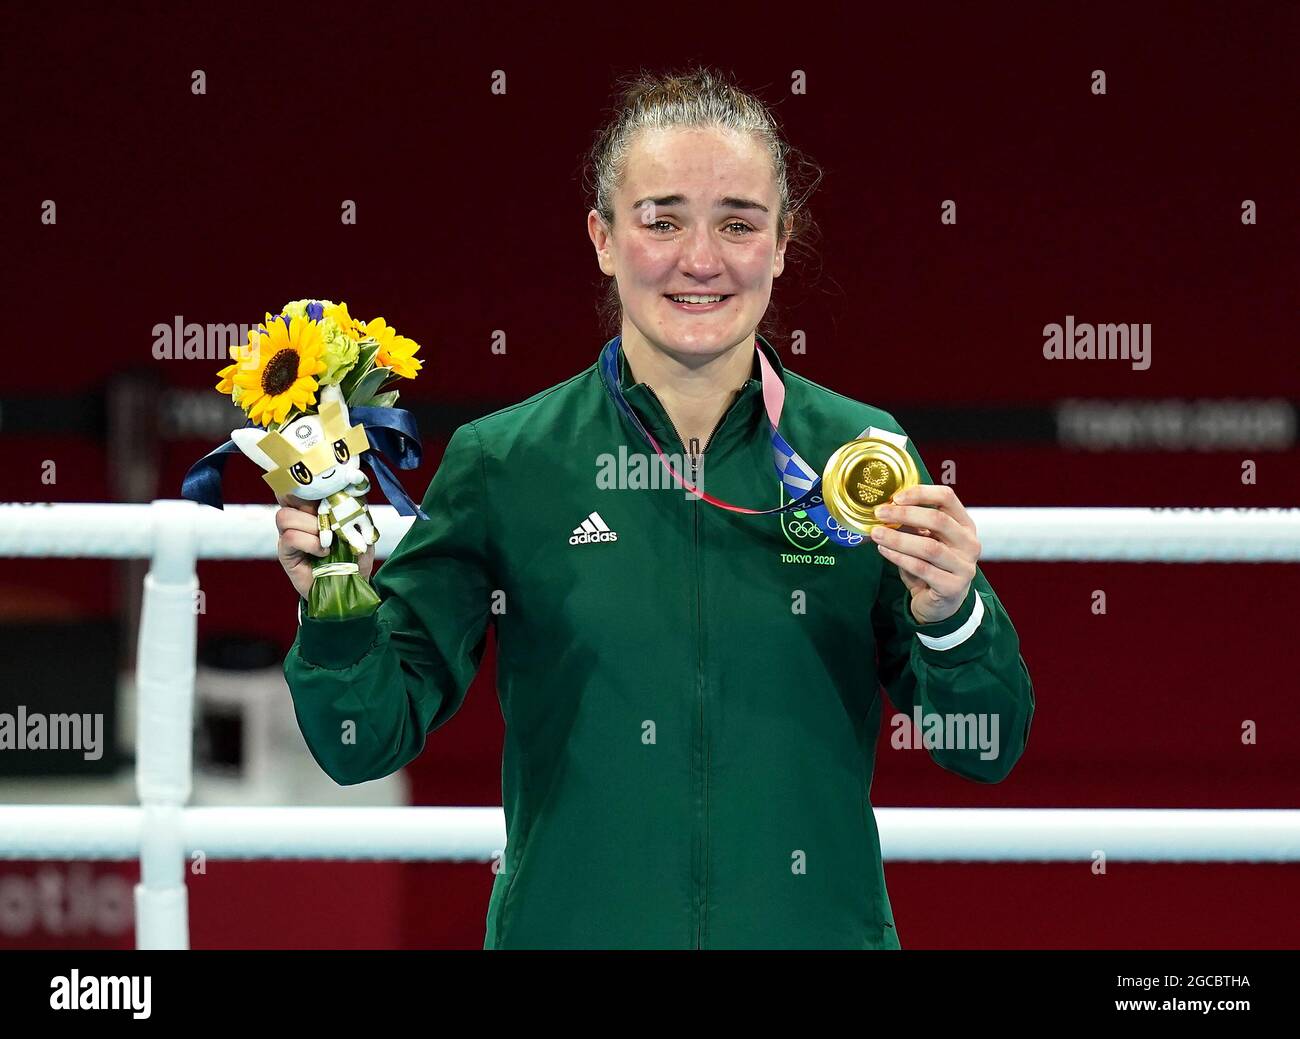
(162, 832)
(1226, 535)
(113, 833)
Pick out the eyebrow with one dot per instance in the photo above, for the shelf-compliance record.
(728, 202)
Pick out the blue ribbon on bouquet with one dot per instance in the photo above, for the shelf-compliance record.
(391, 432)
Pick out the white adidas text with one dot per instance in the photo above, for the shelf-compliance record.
(591, 530)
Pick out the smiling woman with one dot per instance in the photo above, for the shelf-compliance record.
(708, 133)
(691, 724)
(696, 196)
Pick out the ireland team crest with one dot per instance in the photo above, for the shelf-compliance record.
(797, 526)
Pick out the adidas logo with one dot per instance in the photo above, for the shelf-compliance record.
(593, 528)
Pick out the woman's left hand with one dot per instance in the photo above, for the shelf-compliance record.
(935, 551)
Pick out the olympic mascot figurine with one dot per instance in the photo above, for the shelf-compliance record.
(305, 375)
(318, 458)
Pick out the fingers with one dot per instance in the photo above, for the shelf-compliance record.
(912, 583)
(289, 518)
(950, 569)
(292, 501)
(939, 523)
(944, 583)
(944, 526)
(299, 541)
(936, 509)
(941, 497)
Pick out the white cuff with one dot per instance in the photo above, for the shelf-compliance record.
(956, 638)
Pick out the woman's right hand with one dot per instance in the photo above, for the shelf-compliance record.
(299, 543)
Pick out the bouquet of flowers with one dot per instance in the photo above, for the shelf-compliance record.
(302, 379)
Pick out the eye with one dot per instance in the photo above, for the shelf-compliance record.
(341, 450)
(741, 228)
(301, 473)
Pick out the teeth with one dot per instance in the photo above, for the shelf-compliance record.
(696, 299)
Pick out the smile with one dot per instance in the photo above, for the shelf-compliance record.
(697, 301)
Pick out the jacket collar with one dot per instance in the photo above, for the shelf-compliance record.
(745, 418)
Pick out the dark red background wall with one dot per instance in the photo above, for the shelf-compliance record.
(1117, 208)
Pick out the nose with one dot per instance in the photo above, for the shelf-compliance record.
(701, 256)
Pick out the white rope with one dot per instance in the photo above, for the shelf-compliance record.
(1140, 535)
(479, 834)
(1117, 535)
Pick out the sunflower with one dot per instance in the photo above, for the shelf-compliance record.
(238, 355)
(395, 352)
(227, 383)
(275, 375)
(351, 326)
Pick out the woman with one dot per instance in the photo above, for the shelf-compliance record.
(691, 693)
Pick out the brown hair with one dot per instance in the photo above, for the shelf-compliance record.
(698, 97)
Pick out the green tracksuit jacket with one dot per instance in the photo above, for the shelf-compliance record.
(691, 696)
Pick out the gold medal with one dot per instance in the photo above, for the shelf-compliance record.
(864, 474)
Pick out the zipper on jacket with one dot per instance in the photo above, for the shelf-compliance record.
(692, 448)
(703, 888)
(695, 453)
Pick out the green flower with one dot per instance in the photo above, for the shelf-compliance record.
(341, 352)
